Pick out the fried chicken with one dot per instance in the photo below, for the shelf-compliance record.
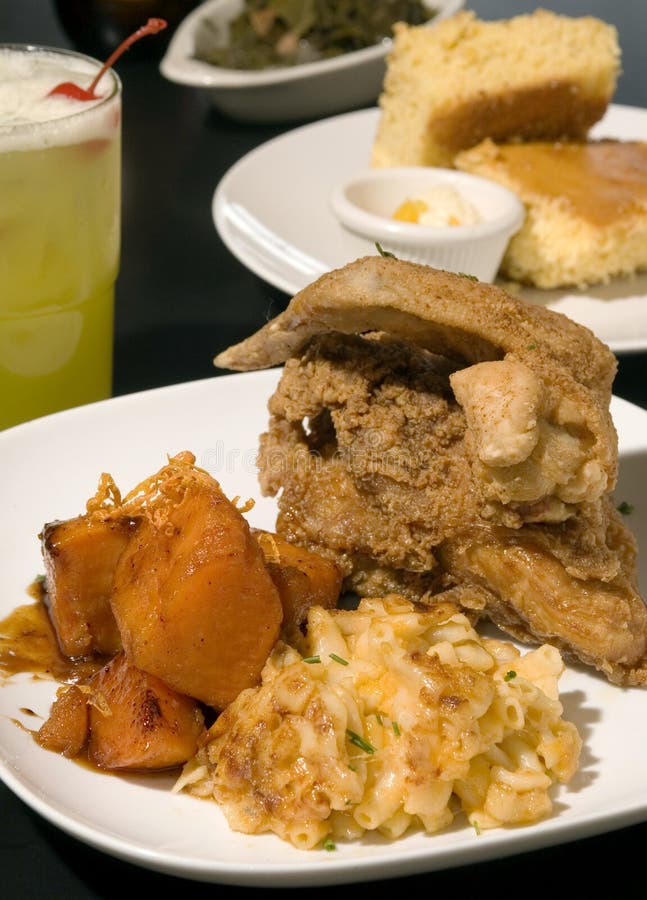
(430, 432)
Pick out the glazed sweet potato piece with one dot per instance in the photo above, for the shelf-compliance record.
(137, 723)
(302, 578)
(193, 599)
(66, 729)
(80, 557)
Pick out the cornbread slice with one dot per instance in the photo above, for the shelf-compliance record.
(447, 87)
(586, 204)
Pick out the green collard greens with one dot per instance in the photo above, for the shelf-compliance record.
(271, 33)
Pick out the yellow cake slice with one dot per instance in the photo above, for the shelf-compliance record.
(586, 208)
(448, 86)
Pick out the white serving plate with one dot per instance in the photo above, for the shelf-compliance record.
(304, 91)
(48, 469)
(283, 229)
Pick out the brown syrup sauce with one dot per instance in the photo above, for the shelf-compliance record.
(28, 644)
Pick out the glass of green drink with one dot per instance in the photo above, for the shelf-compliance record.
(60, 227)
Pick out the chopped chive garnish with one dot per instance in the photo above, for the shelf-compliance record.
(396, 729)
(40, 579)
(359, 741)
(338, 659)
(475, 826)
(379, 718)
(532, 346)
(465, 275)
(352, 767)
(510, 675)
(625, 508)
(312, 659)
(329, 845)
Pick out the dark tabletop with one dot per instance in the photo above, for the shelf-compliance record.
(181, 298)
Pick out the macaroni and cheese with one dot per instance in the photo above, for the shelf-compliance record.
(385, 718)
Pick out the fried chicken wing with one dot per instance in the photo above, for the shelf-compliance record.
(528, 453)
(545, 580)
(366, 448)
(465, 322)
(430, 432)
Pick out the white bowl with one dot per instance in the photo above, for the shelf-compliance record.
(306, 91)
(365, 204)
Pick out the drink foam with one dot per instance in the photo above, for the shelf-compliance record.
(32, 120)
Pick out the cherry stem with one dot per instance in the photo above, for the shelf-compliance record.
(153, 26)
(69, 89)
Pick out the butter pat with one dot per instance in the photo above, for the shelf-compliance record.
(441, 205)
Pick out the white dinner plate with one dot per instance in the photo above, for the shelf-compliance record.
(272, 211)
(48, 469)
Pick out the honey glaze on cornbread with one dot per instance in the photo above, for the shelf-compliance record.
(603, 180)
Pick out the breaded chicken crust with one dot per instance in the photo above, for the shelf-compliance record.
(432, 432)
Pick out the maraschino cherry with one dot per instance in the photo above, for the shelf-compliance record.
(75, 92)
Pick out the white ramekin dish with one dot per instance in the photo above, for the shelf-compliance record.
(365, 203)
(307, 91)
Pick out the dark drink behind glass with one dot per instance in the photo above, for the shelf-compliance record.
(98, 26)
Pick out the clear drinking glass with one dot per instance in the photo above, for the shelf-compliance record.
(60, 232)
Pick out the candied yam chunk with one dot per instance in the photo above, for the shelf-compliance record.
(66, 728)
(137, 723)
(193, 599)
(80, 557)
(302, 578)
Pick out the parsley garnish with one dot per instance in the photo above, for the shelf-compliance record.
(311, 659)
(40, 579)
(625, 508)
(465, 275)
(396, 729)
(359, 741)
(532, 346)
(338, 659)
(384, 252)
(510, 675)
(329, 845)
(475, 826)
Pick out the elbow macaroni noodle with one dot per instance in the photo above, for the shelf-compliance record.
(407, 718)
